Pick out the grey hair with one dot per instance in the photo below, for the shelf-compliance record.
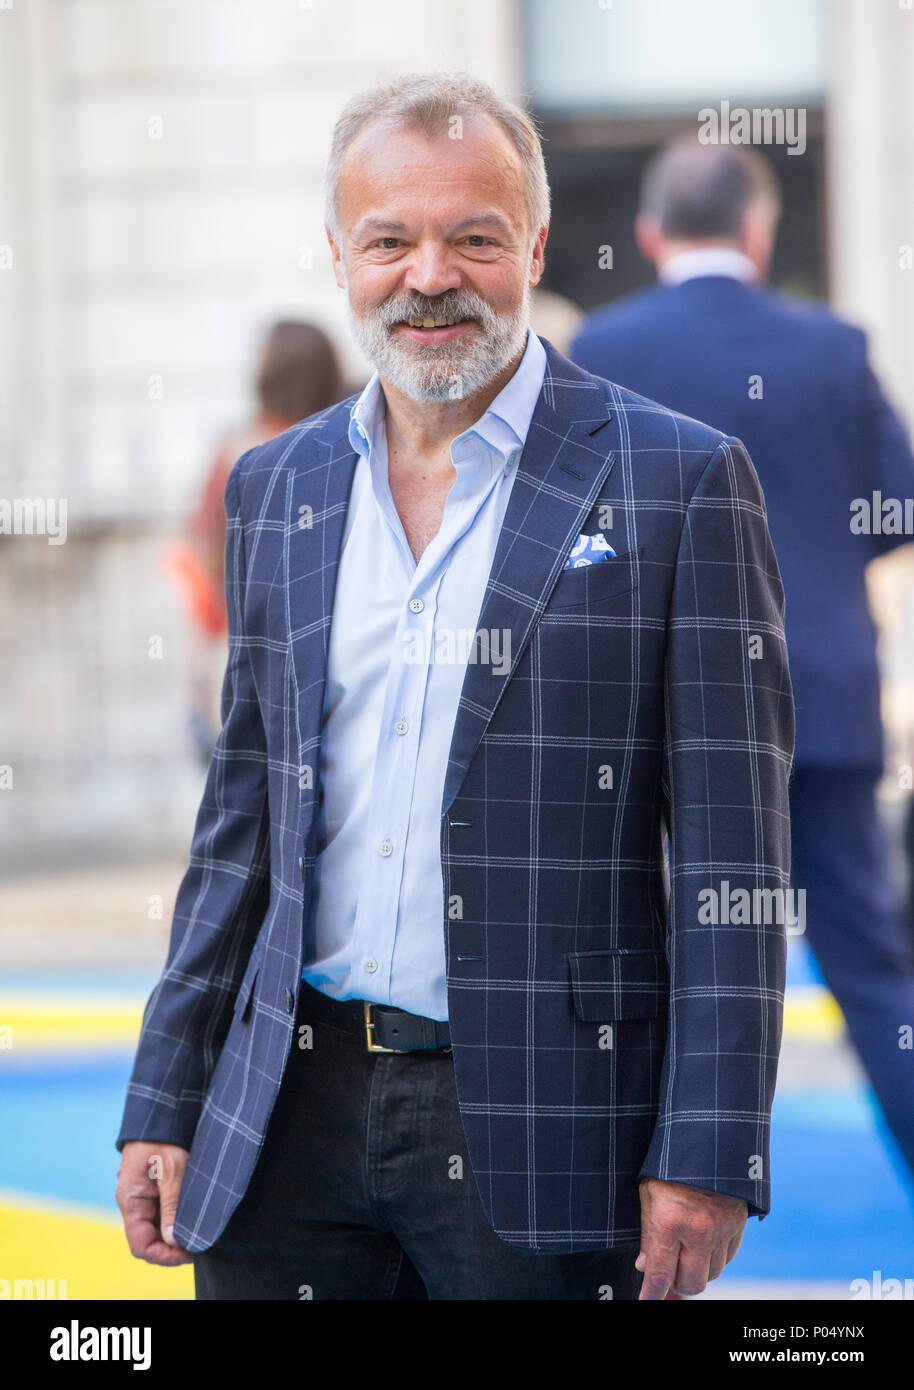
(696, 190)
(427, 102)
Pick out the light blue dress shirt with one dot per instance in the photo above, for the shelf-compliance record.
(399, 643)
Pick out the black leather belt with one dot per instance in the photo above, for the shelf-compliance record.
(383, 1028)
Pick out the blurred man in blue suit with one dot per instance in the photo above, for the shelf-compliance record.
(792, 382)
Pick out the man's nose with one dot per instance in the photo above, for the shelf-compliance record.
(432, 270)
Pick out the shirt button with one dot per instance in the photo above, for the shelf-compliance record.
(385, 848)
(370, 965)
(401, 726)
(416, 605)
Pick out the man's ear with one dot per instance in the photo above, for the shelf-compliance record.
(538, 256)
(756, 238)
(648, 236)
(339, 270)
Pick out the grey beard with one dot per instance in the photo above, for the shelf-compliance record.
(446, 371)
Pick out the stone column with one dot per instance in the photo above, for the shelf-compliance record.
(870, 137)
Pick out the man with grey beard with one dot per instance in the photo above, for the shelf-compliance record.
(431, 1024)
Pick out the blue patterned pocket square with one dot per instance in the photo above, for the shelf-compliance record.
(588, 550)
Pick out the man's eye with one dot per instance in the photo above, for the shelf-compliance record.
(388, 243)
(477, 240)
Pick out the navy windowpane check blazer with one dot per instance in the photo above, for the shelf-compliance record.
(635, 754)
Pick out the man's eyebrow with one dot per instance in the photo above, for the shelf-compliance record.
(485, 219)
(378, 224)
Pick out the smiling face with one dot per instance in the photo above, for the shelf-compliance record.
(435, 248)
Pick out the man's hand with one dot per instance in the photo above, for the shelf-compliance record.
(687, 1236)
(148, 1185)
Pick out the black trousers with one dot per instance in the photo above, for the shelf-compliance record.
(364, 1190)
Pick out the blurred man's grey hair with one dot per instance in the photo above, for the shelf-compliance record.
(428, 102)
(702, 191)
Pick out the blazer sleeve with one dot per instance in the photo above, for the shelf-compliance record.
(221, 899)
(728, 752)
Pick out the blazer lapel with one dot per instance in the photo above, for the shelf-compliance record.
(565, 462)
(317, 499)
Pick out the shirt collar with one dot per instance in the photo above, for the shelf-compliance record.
(365, 414)
(504, 426)
(707, 260)
(516, 401)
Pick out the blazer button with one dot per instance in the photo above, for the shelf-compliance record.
(290, 1001)
(301, 865)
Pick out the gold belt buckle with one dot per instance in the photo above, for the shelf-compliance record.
(369, 1029)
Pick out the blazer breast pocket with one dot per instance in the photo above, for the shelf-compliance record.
(577, 588)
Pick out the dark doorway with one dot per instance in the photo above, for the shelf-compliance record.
(595, 169)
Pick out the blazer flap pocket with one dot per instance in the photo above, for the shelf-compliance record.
(602, 580)
(618, 984)
(247, 980)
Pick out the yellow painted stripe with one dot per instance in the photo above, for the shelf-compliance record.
(811, 1014)
(47, 1240)
(59, 1023)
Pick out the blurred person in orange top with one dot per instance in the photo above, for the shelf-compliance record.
(298, 375)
